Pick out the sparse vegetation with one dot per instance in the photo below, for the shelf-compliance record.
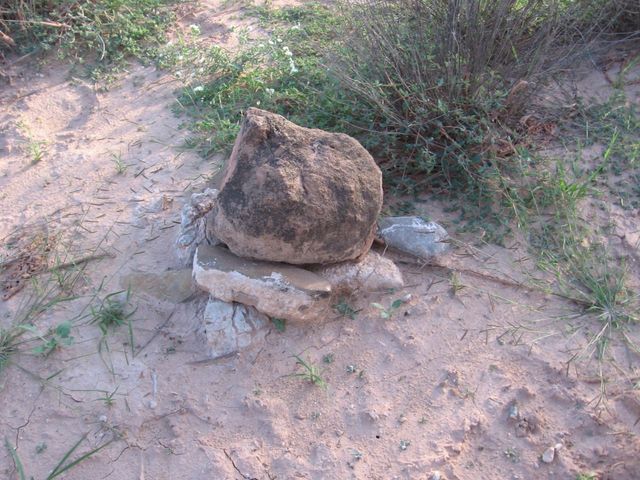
(119, 164)
(345, 309)
(99, 34)
(387, 313)
(280, 324)
(111, 313)
(311, 373)
(65, 463)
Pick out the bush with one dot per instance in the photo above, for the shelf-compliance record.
(112, 29)
(441, 79)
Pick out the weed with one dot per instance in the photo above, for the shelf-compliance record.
(587, 476)
(41, 447)
(36, 151)
(455, 283)
(9, 343)
(64, 465)
(345, 310)
(108, 398)
(328, 358)
(110, 313)
(280, 324)
(52, 340)
(404, 444)
(311, 372)
(120, 165)
(387, 313)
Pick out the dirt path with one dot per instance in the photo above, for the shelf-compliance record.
(469, 378)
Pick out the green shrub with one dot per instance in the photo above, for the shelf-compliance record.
(112, 29)
(440, 79)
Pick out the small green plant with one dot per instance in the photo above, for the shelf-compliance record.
(111, 312)
(328, 358)
(310, 373)
(345, 309)
(108, 398)
(587, 476)
(280, 324)
(455, 283)
(56, 338)
(36, 151)
(388, 312)
(120, 165)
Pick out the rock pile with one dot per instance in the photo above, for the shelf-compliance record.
(291, 225)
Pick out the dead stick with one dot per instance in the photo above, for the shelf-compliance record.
(81, 260)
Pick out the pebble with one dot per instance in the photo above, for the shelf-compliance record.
(548, 455)
(436, 475)
(514, 414)
(153, 404)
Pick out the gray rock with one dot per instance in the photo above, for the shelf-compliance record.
(548, 455)
(276, 289)
(297, 195)
(426, 241)
(193, 229)
(374, 273)
(230, 327)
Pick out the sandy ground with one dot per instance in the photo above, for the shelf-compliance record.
(430, 389)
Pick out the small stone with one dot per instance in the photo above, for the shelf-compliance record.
(548, 455)
(276, 289)
(373, 273)
(514, 414)
(436, 475)
(230, 327)
(426, 241)
(152, 404)
(193, 228)
(102, 419)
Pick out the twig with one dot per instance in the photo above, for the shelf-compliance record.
(81, 260)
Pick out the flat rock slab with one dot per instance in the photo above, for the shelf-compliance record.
(427, 241)
(278, 290)
(229, 327)
(374, 273)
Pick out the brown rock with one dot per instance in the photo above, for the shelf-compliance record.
(297, 195)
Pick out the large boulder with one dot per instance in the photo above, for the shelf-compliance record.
(296, 195)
